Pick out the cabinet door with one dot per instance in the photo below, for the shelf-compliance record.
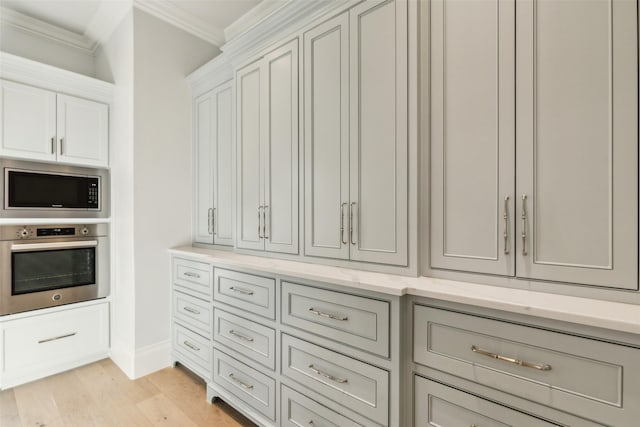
(28, 118)
(280, 149)
(83, 131)
(379, 165)
(222, 217)
(326, 136)
(204, 146)
(249, 129)
(472, 135)
(577, 124)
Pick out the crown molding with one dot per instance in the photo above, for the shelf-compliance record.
(252, 17)
(173, 14)
(210, 75)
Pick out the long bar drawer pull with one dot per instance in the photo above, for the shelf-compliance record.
(57, 338)
(328, 315)
(191, 310)
(241, 383)
(190, 274)
(538, 366)
(191, 346)
(242, 337)
(241, 290)
(328, 376)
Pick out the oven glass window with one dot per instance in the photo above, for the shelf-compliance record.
(53, 269)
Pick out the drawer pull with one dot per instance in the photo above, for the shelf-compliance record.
(57, 338)
(242, 337)
(240, 383)
(328, 315)
(538, 366)
(191, 310)
(190, 274)
(241, 290)
(328, 376)
(191, 346)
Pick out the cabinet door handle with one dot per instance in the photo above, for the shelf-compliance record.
(328, 315)
(259, 218)
(241, 290)
(538, 366)
(213, 221)
(53, 145)
(240, 383)
(505, 216)
(524, 224)
(190, 274)
(57, 338)
(242, 337)
(264, 221)
(61, 146)
(342, 205)
(191, 310)
(353, 242)
(191, 346)
(209, 215)
(328, 376)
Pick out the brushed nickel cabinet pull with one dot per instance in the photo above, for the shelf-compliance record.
(264, 221)
(190, 274)
(505, 216)
(259, 218)
(209, 215)
(342, 205)
(241, 290)
(240, 383)
(213, 221)
(351, 222)
(242, 337)
(57, 338)
(328, 315)
(538, 366)
(191, 346)
(53, 145)
(328, 376)
(524, 224)
(61, 146)
(191, 310)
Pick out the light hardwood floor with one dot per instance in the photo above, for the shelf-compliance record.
(99, 394)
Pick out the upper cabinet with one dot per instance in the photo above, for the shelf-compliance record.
(534, 143)
(356, 140)
(267, 152)
(41, 125)
(213, 165)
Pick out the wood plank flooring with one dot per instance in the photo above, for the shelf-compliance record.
(99, 394)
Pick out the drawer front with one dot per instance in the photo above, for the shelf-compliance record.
(355, 321)
(249, 338)
(575, 374)
(193, 313)
(194, 276)
(41, 341)
(251, 293)
(298, 410)
(249, 385)
(438, 405)
(349, 382)
(195, 348)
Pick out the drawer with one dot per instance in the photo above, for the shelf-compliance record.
(251, 293)
(574, 374)
(349, 382)
(355, 321)
(249, 385)
(194, 349)
(438, 405)
(298, 410)
(248, 338)
(194, 276)
(193, 313)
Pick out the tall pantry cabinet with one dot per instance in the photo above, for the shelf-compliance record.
(548, 192)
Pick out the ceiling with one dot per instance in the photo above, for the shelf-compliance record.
(85, 23)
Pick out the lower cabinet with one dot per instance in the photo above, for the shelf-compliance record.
(299, 410)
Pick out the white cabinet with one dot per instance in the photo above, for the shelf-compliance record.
(267, 138)
(560, 92)
(213, 164)
(356, 138)
(41, 125)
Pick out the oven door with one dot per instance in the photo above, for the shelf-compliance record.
(49, 272)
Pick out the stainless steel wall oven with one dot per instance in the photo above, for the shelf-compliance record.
(48, 265)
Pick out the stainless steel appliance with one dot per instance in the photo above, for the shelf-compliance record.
(43, 190)
(49, 265)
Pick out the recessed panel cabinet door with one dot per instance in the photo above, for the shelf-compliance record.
(280, 150)
(472, 135)
(28, 122)
(577, 124)
(204, 147)
(83, 131)
(379, 140)
(222, 216)
(326, 133)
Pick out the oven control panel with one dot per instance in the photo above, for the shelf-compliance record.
(50, 231)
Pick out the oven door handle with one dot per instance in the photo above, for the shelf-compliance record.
(23, 247)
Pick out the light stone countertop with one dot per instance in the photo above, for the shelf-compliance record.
(591, 312)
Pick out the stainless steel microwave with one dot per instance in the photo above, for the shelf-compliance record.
(42, 190)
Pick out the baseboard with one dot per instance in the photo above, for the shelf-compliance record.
(123, 358)
(152, 358)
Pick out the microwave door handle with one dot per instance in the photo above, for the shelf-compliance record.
(23, 247)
